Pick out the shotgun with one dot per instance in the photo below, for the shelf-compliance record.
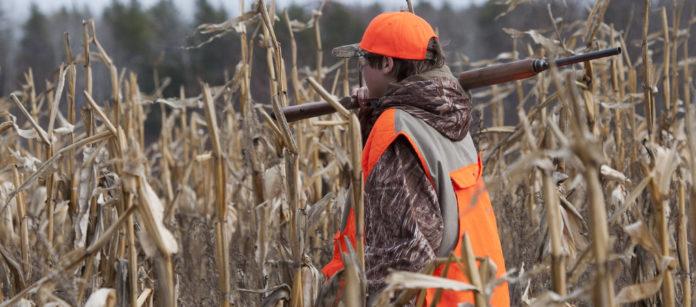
(471, 79)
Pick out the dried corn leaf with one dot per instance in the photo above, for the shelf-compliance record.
(280, 211)
(61, 221)
(500, 129)
(5, 126)
(552, 45)
(355, 277)
(27, 162)
(32, 134)
(666, 162)
(27, 133)
(618, 196)
(298, 26)
(93, 57)
(501, 57)
(86, 189)
(104, 297)
(330, 290)
(46, 298)
(617, 106)
(612, 174)
(7, 233)
(24, 303)
(317, 209)
(280, 296)
(181, 103)
(630, 200)
(307, 71)
(36, 202)
(273, 181)
(511, 5)
(550, 298)
(641, 235)
(231, 222)
(525, 294)
(311, 282)
(569, 207)
(641, 291)
(570, 232)
(220, 29)
(151, 202)
(518, 171)
(315, 15)
(65, 126)
(56, 99)
(186, 200)
(402, 280)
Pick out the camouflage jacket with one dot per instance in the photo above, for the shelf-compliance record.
(403, 223)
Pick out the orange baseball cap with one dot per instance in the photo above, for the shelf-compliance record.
(400, 35)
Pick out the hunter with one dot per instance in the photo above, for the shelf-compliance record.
(422, 173)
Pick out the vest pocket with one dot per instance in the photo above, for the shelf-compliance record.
(466, 186)
(465, 176)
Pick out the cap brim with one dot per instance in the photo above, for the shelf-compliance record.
(354, 51)
(348, 51)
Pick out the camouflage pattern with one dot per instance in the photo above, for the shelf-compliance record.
(403, 221)
(348, 51)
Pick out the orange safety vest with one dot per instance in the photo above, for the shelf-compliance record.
(454, 168)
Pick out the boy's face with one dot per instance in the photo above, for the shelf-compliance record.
(377, 78)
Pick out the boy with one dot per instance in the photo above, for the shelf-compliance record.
(423, 185)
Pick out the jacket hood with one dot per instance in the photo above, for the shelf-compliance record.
(434, 96)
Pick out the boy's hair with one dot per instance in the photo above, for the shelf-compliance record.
(405, 68)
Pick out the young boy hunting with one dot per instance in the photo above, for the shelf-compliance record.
(422, 172)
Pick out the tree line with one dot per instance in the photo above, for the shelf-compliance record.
(148, 39)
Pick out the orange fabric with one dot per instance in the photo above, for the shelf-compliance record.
(476, 216)
(398, 34)
(369, 156)
(336, 263)
(375, 146)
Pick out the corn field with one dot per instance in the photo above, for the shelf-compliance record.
(230, 206)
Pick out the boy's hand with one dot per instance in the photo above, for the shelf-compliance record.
(365, 103)
(363, 96)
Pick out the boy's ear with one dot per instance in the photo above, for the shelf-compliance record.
(387, 65)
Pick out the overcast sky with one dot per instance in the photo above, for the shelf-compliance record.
(20, 8)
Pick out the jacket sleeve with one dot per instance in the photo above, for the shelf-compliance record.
(403, 222)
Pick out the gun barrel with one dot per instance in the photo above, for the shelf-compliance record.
(588, 56)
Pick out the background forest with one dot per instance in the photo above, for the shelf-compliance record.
(153, 40)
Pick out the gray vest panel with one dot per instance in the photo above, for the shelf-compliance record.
(442, 156)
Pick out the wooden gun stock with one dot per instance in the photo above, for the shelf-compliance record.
(471, 79)
(316, 108)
